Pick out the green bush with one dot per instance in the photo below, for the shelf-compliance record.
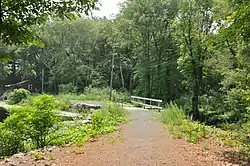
(102, 121)
(43, 118)
(18, 95)
(67, 88)
(33, 122)
(10, 142)
(37, 125)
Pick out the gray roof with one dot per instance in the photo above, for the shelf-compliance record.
(16, 84)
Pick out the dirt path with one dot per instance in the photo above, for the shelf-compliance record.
(141, 142)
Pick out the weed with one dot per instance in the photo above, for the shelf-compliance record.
(38, 155)
(78, 151)
(206, 147)
(114, 139)
(52, 157)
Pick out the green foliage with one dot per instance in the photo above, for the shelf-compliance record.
(10, 142)
(17, 96)
(180, 126)
(31, 123)
(102, 121)
(96, 94)
(42, 119)
(17, 18)
(67, 88)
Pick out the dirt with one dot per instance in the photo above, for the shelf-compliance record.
(141, 142)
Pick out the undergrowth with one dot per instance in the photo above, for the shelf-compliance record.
(103, 121)
(34, 126)
(97, 94)
(181, 126)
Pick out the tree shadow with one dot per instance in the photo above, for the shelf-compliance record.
(234, 157)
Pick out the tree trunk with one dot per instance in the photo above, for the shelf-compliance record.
(1, 15)
(122, 77)
(195, 88)
(148, 74)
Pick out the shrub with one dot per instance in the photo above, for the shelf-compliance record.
(10, 142)
(43, 118)
(102, 121)
(67, 88)
(18, 95)
(34, 122)
(36, 125)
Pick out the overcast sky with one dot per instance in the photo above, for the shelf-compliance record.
(108, 8)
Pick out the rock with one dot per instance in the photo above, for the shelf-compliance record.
(86, 106)
(12, 164)
(22, 162)
(7, 160)
(19, 155)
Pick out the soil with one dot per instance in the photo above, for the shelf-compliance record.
(143, 141)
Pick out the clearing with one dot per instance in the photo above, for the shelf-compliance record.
(143, 141)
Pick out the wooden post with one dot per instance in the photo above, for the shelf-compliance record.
(42, 80)
(111, 77)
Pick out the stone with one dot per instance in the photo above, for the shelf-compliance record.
(12, 164)
(7, 160)
(18, 155)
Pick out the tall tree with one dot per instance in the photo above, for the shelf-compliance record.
(194, 22)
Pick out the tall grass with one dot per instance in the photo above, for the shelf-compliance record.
(181, 126)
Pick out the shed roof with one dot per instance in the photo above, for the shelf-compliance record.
(16, 84)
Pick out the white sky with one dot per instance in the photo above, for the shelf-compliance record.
(108, 8)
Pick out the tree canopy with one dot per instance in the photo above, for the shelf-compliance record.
(18, 17)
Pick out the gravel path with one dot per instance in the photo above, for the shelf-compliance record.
(142, 142)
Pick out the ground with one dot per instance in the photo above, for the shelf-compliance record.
(143, 141)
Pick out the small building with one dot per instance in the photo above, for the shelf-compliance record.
(32, 86)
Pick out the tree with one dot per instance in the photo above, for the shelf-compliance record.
(18, 17)
(194, 23)
(156, 52)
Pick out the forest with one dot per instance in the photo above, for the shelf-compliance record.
(195, 53)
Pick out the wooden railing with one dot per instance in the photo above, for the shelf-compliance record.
(147, 103)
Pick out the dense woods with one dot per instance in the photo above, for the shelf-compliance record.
(193, 52)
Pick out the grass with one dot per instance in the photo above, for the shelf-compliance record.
(181, 126)
(96, 94)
